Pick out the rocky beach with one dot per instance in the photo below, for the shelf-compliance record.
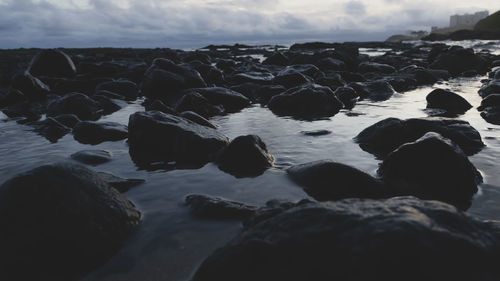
(315, 161)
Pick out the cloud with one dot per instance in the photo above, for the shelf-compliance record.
(355, 8)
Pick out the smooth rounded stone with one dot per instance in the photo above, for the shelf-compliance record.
(306, 69)
(379, 90)
(277, 58)
(195, 102)
(458, 60)
(13, 96)
(190, 115)
(262, 78)
(245, 156)
(326, 180)
(197, 56)
(51, 129)
(164, 80)
(158, 137)
(158, 105)
(307, 101)
(495, 63)
(52, 63)
(491, 115)
(109, 94)
(350, 77)
(88, 132)
(80, 85)
(211, 74)
(330, 64)
(365, 67)
(490, 88)
(78, 104)
(272, 208)
(125, 88)
(208, 207)
(68, 120)
(290, 80)
(316, 133)
(385, 136)
(490, 101)
(431, 168)
(446, 99)
(347, 95)
(66, 210)
(30, 86)
(119, 183)
(92, 157)
(266, 92)
(230, 100)
(356, 240)
(30, 111)
(332, 80)
(108, 105)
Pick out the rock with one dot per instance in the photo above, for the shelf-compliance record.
(88, 132)
(273, 207)
(492, 87)
(331, 79)
(261, 78)
(365, 67)
(158, 105)
(305, 69)
(197, 119)
(316, 133)
(66, 210)
(277, 59)
(230, 100)
(109, 94)
(431, 168)
(291, 79)
(30, 86)
(490, 101)
(458, 60)
(195, 102)
(330, 64)
(375, 90)
(358, 240)
(208, 207)
(108, 105)
(119, 183)
(52, 63)
(196, 56)
(447, 100)
(13, 96)
(31, 111)
(495, 63)
(491, 115)
(92, 157)
(125, 88)
(78, 104)
(51, 129)
(327, 180)
(81, 85)
(385, 136)
(350, 77)
(68, 120)
(307, 101)
(347, 95)
(245, 156)
(158, 137)
(267, 92)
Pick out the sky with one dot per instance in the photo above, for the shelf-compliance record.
(196, 23)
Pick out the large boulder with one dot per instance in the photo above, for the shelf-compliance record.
(385, 136)
(277, 59)
(158, 137)
(52, 63)
(491, 114)
(307, 101)
(366, 67)
(209, 207)
(447, 100)
(60, 221)
(432, 168)
(327, 180)
(358, 240)
(457, 60)
(89, 132)
(490, 88)
(195, 102)
(30, 86)
(245, 156)
(51, 129)
(78, 104)
(230, 100)
(379, 90)
(125, 88)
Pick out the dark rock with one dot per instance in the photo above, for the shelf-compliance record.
(316, 133)
(195, 102)
(267, 92)
(491, 115)
(495, 63)
(327, 180)
(108, 105)
(261, 78)
(330, 64)
(92, 157)
(277, 59)
(347, 95)
(30, 86)
(68, 120)
(358, 240)
(88, 132)
(385, 136)
(307, 101)
(445, 99)
(125, 88)
(490, 101)
(52, 63)
(86, 86)
(350, 77)
(273, 207)
(245, 156)
(333, 81)
(158, 137)
(458, 60)
(51, 129)
(306, 69)
(230, 100)
(109, 94)
(375, 90)
(469, 73)
(492, 87)
(158, 105)
(208, 207)
(78, 104)
(291, 79)
(119, 183)
(365, 67)
(190, 115)
(431, 168)
(66, 210)
(13, 96)
(32, 111)
(197, 56)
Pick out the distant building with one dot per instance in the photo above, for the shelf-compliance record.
(467, 19)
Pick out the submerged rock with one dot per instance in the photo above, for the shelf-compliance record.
(60, 221)
(379, 90)
(357, 239)
(92, 157)
(432, 168)
(52, 63)
(51, 129)
(208, 207)
(88, 132)
(316, 133)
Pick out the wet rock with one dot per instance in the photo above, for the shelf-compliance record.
(158, 105)
(31, 111)
(307, 101)
(365, 67)
(190, 115)
(272, 208)
(195, 102)
(330, 64)
(492, 87)
(277, 59)
(88, 132)
(385, 136)
(261, 78)
(267, 92)
(431, 168)
(109, 94)
(66, 210)
(306, 69)
(245, 156)
(78, 104)
(490, 101)
(327, 180)
(108, 105)
(491, 114)
(316, 133)
(81, 85)
(51, 129)
(197, 56)
(231, 101)
(125, 88)
(13, 96)
(52, 63)
(458, 60)
(350, 77)
(291, 79)
(92, 157)
(375, 90)
(30, 86)
(119, 183)
(158, 137)
(357, 239)
(68, 120)
(447, 100)
(347, 95)
(209, 207)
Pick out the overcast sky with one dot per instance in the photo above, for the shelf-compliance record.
(195, 23)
